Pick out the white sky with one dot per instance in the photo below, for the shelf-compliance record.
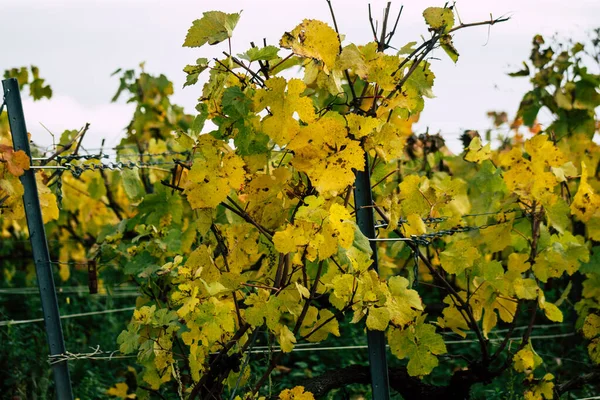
(78, 43)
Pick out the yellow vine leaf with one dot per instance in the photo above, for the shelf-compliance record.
(586, 202)
(414, 225)
(343, 286)
(552, 312)
(388, 141)
(594, 350)
(317, 318)
(487, 300)
(314, 39)
(420, 343)
(591, 326)
(324, 151)
(453, 319)
(214, 174)
(212, 28)
(47, 200)
(459, 256)
(404, 304)
(353, 60)
(543, 389)
(322, 230)
(265, 197)
(381, 67)
(280, 125)
(476, 152)
(296, 393)
(565, 171)
(532, 178)
(12, 206)
(378, 318)
(286, 339)
(438, 18)
(526, 288)
(413, 200)
(361, 126)
(565, 253)
(120, 390)
(526, 359)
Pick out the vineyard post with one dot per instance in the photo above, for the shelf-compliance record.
(37, 236)
(363, 201)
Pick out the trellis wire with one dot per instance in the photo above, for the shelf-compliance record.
(33, 291)
(98, 354)
(30, 321)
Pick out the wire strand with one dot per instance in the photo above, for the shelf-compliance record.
(30, 321)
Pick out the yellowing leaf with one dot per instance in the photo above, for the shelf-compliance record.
(517, 263)
(544, 389)
(378, 318)
(532, 178)
(47, 201)
(453, 319)
(586, 202)
(478, 153)
(360, 126)
(286, 339)
(591, 326)
(302, 290)
(404, 304)
(120, 390)
(382, 68)
(438, 18)
(323, 150)
(352, 59)
(458, 257)
(526, 288)
(132, 184)
(448, 46)
(565, 171)
(388, 141)
(552, 312)
(214, 175)
(526, 359)
(296, 393)
(212, 28)
(321, 230)
(314, 39)
(64, 272)
(280, 125)
(594, 350)
(420, 343)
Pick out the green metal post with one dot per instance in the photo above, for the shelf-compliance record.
(37, 236)
(363, 199)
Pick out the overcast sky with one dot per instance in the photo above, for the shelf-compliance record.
(78, 43)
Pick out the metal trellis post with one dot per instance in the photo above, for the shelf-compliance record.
(363, 199)
(37, 236)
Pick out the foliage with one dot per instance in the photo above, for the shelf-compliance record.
(251, 240)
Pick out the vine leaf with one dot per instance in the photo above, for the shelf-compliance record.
(214, 27)
(266, 53)
(420, 343)
(439, 18)
(314, 39)
(448, 46)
